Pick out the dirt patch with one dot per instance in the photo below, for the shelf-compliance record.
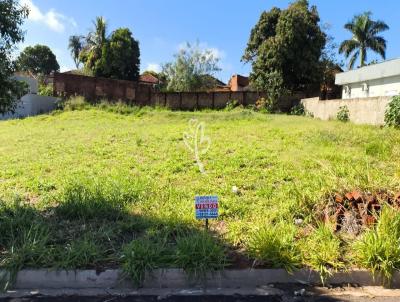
(354, 211)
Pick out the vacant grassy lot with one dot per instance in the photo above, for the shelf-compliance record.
(97, 188)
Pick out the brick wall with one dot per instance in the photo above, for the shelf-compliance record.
(95, 89)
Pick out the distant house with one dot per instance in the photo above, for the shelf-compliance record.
(150, 79)
(239, 83)
(381, 79)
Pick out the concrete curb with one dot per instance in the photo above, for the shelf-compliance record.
(177, 278)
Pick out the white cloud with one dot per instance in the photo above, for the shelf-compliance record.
(153, 67)
(52, 19)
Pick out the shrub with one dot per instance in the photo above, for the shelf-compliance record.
(379, 248)
(45, 90)
(343, 114)
(298, 110)
(232, 104)
(265, 105)
(392, 114)
(275, 246)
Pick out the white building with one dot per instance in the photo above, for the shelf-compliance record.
(376, 80)
(31, 104)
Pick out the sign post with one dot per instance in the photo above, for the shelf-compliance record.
(206, 208)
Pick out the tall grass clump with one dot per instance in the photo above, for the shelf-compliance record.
(379, 248)
(142, 256)
(198, 253)
(321, 251)
(76, 103)
(274, 246)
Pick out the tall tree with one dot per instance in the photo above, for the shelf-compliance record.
(192, 70)
(120, 58)
(285, 48)
(12, 16)
(95, 41)
(365, 37)
(75, 46)
(38, 60)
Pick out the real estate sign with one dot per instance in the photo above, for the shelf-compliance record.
(206, 207)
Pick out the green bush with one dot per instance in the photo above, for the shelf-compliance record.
(343, 114)
(265, 105)
(298, 110)
(45, 90)
(232, 104)
(392, 114)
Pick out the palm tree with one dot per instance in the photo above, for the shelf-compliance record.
(365, 37)
(95, 41)
(76, 45)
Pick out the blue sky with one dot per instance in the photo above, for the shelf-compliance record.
(162, 26)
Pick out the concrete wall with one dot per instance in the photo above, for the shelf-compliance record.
(30, 105)
(373, 88)
(362, 110)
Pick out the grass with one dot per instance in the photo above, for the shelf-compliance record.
(112, 186)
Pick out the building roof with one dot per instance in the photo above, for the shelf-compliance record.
(242, 81)
(149, 78)
(386, 69)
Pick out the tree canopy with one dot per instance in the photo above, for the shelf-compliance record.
(365, 37)
(120, 57)
(116, 56)
(38, 60)
(285, 48)
(192, 70)
(12, 16)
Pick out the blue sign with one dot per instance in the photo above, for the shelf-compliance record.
(206, 207)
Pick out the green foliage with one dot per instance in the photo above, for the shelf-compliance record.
(75, 46)
(231, 104)
(274, 245)
(343, 114)
(192, 70)
(38, 60)
(141, 256)
(392, 114)
(365, 37)
(379, 248)
(199, 253)
(117, 56)
(45, 90)
(298, 110)
(265, 105)
(120, 57)
(321, 251)
(11, 19)
(75, 103)
(285, 47)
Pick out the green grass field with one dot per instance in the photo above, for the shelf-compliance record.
(111, 187)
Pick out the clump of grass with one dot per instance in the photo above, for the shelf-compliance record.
(97, 199)
(321, 251)
(379, 248)
(141, 256)
(274, 246)
(76, 103)
(85, 252)
(198, 253)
